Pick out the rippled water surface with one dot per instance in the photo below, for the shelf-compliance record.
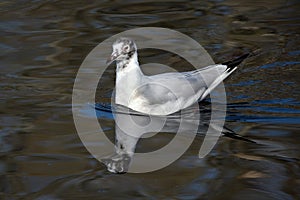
(42, 45)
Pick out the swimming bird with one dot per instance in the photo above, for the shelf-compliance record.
(165, 93)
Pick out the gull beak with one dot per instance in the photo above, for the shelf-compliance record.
(112, 58)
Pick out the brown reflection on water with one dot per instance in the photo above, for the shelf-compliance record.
(42, 46)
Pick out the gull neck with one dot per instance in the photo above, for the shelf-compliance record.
(131, 60)
(128, 77)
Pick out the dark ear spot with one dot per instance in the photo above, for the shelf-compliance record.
(126, 48)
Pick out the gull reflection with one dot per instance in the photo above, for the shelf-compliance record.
(131, 126)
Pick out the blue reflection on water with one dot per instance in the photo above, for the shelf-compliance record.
(279, 64)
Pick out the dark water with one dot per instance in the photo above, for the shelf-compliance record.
(42, 45)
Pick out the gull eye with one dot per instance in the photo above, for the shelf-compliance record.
(126, 48)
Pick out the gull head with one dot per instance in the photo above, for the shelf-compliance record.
(123, 49)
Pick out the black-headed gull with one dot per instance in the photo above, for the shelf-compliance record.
(166, 93)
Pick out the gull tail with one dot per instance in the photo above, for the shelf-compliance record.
(230, 66)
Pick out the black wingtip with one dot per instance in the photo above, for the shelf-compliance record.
(236, 62)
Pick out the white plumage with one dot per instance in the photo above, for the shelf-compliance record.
(161, 94)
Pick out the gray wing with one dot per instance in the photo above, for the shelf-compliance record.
(186, 86)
